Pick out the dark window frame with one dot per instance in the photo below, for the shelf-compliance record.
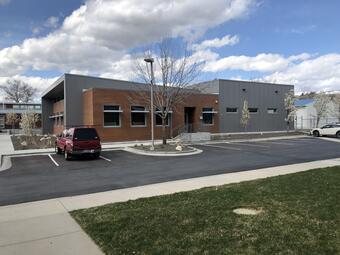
(137, 110)
(114, 110)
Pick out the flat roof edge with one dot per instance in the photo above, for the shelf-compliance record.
(54, 84)
(261, 82)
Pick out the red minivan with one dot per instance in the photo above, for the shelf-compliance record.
(78, 141)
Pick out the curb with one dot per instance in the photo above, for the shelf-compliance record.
(193, 151)
(253, 139)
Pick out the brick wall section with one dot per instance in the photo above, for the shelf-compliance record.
(95, 99)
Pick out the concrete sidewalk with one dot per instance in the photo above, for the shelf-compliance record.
(45, 227)
(42, 228)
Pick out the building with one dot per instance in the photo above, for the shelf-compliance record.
(306, 114)
(18, 108)
(112, 107)
(265, 102)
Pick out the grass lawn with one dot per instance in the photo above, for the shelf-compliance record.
(301, 215)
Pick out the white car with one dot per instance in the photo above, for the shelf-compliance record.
(327, 130)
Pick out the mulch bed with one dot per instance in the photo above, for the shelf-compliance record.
(26, 142)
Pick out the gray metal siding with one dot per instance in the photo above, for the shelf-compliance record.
(74, 86)
(47, 123)
(258, 95)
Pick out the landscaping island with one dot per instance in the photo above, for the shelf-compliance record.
(297, 214)
(164, 150)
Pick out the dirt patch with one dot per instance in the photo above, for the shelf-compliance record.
(247, 211)
(25, 142)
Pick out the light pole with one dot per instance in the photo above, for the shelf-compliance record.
(151, 60)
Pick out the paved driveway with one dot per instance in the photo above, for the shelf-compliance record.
(49, 176)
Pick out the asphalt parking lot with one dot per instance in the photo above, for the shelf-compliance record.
(40, 177)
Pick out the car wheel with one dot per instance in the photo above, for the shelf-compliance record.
(96, 155)
(67, 155)
(337, 134)
(57, 149)
(316, 133)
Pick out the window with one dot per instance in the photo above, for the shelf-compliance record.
(272, 110)
(85, 134)
(207, 116)
(37, 107)
(30, 107)
(23, 106)
(231, 110)
(2, 121)
(112, 115)
(253, 110)
(138, 116)
(159, 119)
(15, 106)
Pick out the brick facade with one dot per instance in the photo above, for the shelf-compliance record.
(95, 99)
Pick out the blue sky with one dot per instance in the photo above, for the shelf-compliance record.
(294, 42)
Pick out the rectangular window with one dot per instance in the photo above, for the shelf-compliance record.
(37, 107)
(112, 115)
(272, 110)
(207, 116)
(253, 110)
(231, 110)
(138, 116)
(30, 107)
(159, 120)
(15, 106)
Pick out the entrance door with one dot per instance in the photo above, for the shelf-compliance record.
(189, 119)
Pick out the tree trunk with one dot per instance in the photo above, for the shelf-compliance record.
(163, 131)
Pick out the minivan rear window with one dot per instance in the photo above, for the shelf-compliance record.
(85, 134)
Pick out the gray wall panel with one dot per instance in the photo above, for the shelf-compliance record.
(74, 86)
(258, 95)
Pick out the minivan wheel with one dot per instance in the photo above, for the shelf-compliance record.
(67, 155)
(316, 133)
(338, 134)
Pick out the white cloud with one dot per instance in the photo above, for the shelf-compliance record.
(217, 42)
(101, 31)
(52, 22)
(261, 63)
(4, 2)
(321, 73)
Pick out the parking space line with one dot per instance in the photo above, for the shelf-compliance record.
(279, 143)
(247, 144)
(222, 147)
(105, 158)
(55, 162)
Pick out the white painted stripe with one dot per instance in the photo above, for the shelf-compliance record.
(222, 147)
(105, 158)
(55, 162)
(247, 144)
(279, 143)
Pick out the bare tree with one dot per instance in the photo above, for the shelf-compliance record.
(321, 105)
(245, 117)
(175, 72)
(18, 91)
(289, 102)
(336, 108)
(28, 122)
(11, 119)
